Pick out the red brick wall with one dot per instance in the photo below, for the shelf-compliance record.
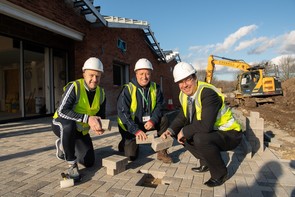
(61, 11)
(101, 42)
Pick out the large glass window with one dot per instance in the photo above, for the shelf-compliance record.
(9, 78)
(60, 77)
(32, 78)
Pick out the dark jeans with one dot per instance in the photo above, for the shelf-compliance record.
(128, 143)
(77, 147)
(207, 148)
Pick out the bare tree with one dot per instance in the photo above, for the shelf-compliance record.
(268, 67)
(287, 67)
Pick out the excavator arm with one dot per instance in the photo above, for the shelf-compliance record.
(240, 64)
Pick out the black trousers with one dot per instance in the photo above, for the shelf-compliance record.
(128, 143)
(77, 147)
(207, 148)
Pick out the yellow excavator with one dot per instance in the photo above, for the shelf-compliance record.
(253, 87)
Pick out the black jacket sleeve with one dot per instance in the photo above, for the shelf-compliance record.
(211, 103)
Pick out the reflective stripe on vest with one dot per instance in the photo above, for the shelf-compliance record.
(83, 106)
(133, 107)
(224, 120)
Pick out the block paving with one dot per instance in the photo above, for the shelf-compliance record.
(29, 167)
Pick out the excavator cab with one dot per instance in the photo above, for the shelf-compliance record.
(252, 83)
(247, 83)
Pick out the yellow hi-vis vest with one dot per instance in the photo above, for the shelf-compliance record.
(83, 106)
(133, 107)
(224, 120)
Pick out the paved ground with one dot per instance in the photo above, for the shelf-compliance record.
(29, 168)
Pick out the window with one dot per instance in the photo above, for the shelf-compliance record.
(120, 74)
(32, 77)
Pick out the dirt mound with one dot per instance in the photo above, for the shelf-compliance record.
(281, 116)
(288, 99)
(282, 112)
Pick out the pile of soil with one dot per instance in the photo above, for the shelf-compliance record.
(281, 116)
(281, 113)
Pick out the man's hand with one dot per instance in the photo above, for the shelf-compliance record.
(141, 135)
(148, 125)
(95, 124)
(180, 137)
(165, 134)
(99, 132)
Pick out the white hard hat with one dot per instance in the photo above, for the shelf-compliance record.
(93, 63)
(182, 70)
(143, 63)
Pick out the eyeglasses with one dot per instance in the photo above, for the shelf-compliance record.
(186, 80)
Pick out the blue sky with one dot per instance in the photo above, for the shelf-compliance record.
(252, 30)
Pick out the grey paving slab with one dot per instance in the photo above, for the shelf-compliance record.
(29, 168)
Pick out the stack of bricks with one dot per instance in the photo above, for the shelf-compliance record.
(115, 164)
(255, 132)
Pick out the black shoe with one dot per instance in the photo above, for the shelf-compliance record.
(216, 182)
(121, 146)
(201, 169)
(132, 158)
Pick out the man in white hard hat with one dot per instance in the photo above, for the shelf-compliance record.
(81, 108)
(140, 109)
(205, 126)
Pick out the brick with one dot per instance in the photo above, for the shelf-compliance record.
(115, 162)
(113, 172)
(105, 124)
(161, 144)
(254, 114)
(150, 137)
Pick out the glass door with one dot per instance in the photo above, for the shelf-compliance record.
(34, 79)
(60, 75)
(9, 78)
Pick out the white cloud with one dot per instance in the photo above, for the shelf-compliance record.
(248, 43)
(288, 43)
(234, 37)
(266, 45)
(280, 45)
(202, 49)
(277, 60)
(228, 42)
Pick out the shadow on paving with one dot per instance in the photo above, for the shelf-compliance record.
(43, 149)
(100, 153)
(265, 179)
(24, 132)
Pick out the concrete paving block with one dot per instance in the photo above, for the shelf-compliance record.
(161, 144)
(115, 162)
(113, 172)
(254, 114)
(105, 124)
(150, 137)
